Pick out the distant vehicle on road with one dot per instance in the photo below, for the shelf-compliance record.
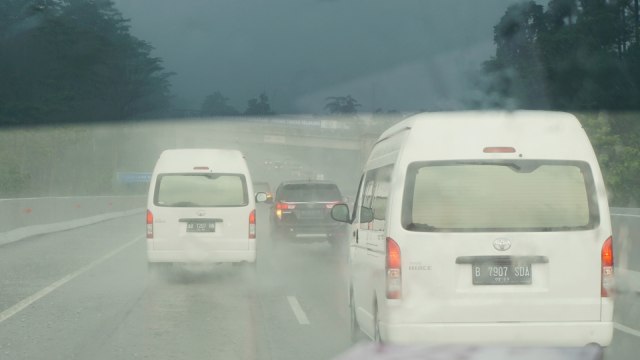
(302, 211)
(482, 228)
(201, 208)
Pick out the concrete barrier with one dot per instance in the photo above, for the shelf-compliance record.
(25, 217)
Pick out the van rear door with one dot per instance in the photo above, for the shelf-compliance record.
(201, 211)
(501, 241)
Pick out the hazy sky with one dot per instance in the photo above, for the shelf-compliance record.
(390, 54)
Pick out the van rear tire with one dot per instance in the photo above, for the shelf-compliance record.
(354, 328)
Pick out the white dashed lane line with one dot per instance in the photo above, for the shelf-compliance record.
(297, 310)
(626, 215)
(627, 329)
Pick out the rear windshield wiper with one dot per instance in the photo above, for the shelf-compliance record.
(421, 227)
(184, 204)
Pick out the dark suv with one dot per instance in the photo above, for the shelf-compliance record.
(302, 210)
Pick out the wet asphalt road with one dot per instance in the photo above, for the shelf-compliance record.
(87, 294)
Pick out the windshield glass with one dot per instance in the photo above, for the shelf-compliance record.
(525, 195)
(192, 190)
(309, 192)
(379, 226)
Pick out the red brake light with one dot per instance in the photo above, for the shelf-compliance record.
(393, 254)
(331, 204)
(499, 149)
(607, 252)
(149, 224)
(394, 270)
(285, 206)
(252, 225)
(607, 267)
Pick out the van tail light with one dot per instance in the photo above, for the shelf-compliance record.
(149, 224)
(285, 206)
(252, 225)
(394, 270)
(607, 268)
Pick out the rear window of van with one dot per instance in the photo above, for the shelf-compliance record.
(523, 195)
(201, 190)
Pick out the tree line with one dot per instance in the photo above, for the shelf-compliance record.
(217, 104)
(75, 60)
(581, 56)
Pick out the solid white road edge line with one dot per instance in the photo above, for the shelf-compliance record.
(627, 329)
(626, 215)
(297, 310)
(23, 304)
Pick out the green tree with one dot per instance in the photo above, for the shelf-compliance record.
(345, 105)
(259, 106)
(579, 56)
(216, 104)
(517, 70)
(75, 60)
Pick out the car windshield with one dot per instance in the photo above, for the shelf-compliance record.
(521, 195)
(309, 192)
(445, 174)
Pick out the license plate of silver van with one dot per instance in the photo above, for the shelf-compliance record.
(201, 226)
(501, 274)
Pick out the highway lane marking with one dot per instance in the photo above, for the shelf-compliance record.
(23, 304)
(627, 215)
(627, 329)
(297, 310)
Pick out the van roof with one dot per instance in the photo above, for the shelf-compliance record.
(465, 135)
(217, 160)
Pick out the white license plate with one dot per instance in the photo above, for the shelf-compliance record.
(501, 274)
(201, 226)
(310, 214)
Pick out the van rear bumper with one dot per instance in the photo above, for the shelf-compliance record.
(573, 334)
(166, 256)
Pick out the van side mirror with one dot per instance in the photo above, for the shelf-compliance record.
(340, 212)
(261, 197)
(366, 215)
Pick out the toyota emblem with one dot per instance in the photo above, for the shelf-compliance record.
(502, 244)
(201, 213)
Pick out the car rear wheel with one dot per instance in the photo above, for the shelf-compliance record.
(377, 338)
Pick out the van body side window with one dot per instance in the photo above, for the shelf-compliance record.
(367, 196)
(356, 203)
(381, 197)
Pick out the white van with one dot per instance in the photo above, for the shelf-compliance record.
(201, 208)
(482, 228)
